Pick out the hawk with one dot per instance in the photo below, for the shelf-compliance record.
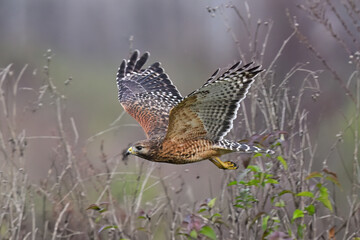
(184, 130)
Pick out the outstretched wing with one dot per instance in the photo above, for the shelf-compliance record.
(209, 111)
(146, 94)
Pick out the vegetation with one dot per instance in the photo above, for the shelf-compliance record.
(292, 195)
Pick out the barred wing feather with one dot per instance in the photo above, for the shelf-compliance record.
(146, 94)
(209, 111)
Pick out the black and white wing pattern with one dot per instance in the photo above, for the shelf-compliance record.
(146, 94)
(209, 111)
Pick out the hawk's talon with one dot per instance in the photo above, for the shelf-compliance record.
(223, 165)
(230, 165)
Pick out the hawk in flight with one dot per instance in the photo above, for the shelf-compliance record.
(184, 130)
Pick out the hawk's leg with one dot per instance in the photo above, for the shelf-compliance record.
(223, 165)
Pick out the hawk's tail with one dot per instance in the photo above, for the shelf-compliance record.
(242, 147)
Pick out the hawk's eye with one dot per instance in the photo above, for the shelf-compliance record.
(138, 148)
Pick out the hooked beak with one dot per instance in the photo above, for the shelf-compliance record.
(129, 151)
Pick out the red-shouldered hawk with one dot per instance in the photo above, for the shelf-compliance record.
(184, 130)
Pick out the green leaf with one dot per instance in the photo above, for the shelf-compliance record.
(232, 183)
(211, 203)
(215, 216)
(208, 232)
(300, 231)
(202, 210)
(280, 203)
(267, 176)
(313, 174)
(283, 162)
(272, 181)
(254, 168)
(333, 179)
(297, 214)
(94, 207)
(240, 206)
(305, 194)
(103, 210)
(265, 222)
(284, 192)
(276, 220)
(310, 209)
(324, 197)
(253, 182)
(98, 207)
(257, 155)
(107, 227)
(289, 232)
(261, 176)
(193, 234)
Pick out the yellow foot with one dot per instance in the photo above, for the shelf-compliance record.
(230, 165)
(223, 165)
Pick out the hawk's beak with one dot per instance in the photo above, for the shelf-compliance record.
(129, 151)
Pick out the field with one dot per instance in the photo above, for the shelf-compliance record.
(63, 174)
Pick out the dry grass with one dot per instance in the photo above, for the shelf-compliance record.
(272, 196)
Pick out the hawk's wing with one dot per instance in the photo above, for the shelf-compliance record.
(146, 94)
(209, 111)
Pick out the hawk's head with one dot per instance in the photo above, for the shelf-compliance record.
(144, 149)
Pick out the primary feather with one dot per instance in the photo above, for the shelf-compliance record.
(146, 94)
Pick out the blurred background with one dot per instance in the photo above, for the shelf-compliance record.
(191, 38)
